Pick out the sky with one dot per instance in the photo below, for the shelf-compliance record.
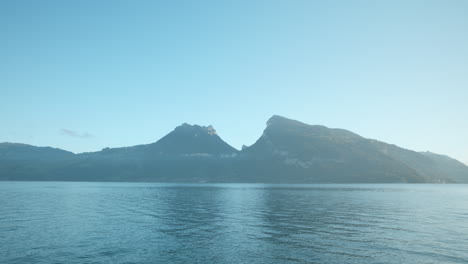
(85, 75)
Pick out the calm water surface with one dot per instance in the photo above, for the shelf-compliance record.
(56, 222)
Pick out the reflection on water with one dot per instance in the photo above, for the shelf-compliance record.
(47, 222)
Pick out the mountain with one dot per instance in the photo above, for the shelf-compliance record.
(305, 153)
(184, 141)
(288, 151)
(26, 162)
(192, 140)
(17, 151)
(190, 153)
(445, 167)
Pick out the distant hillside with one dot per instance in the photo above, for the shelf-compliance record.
(288, 151)
(17, 151)
(26, 162)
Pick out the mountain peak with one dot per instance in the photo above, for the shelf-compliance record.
(283, 121)
(276, 118)
(211, 130)
(196, 129)
(189, 140)
(277, 122)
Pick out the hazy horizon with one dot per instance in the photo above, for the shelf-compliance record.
(82, 76)
(85, 135)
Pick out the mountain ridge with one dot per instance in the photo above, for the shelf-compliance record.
(288, 151)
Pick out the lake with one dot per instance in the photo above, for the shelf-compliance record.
(77, 222)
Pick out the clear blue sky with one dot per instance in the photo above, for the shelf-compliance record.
(84, 75)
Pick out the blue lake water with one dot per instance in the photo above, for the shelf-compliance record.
(74, 222)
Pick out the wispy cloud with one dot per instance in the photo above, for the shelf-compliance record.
(75, 134)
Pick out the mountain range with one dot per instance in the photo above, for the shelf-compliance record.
(288, 151)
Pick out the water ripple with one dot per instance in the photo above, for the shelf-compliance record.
(232, 223)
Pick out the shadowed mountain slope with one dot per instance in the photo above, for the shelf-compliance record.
(321, 154)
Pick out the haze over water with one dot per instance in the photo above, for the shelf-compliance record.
(52, 222)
